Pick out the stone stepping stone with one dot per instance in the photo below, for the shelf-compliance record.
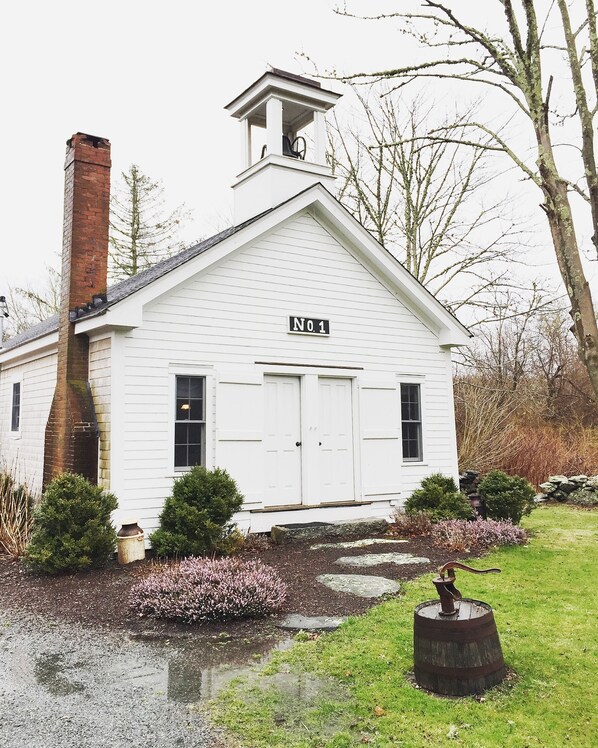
(298, 622)
(355, 543)
(375, 559)
(361, 585)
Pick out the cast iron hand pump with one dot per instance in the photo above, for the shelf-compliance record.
(445, 585)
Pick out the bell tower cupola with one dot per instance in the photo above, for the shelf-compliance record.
(283, 140)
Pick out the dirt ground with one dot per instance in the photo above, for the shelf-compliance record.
(100, 597)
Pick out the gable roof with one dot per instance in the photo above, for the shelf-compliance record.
(128, 286)
(331, 209)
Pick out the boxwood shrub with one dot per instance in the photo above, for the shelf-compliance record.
(195, 520)
(439, 498)
(506, 496)
(71, 527)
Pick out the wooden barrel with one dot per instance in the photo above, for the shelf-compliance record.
(457, 655)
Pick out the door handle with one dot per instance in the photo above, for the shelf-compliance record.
(297, 444)
(319, 444)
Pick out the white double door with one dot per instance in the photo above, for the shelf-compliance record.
(308, 440)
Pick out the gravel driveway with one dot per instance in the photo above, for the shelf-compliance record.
(64, 685)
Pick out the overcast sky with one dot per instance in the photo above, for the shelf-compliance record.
(153, 77)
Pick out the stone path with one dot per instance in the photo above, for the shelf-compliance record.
(361, 585)
(364, 585)
(295, 621)
(355, 543)
(374, 559)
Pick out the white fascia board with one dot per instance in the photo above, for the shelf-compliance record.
(272, 83)
(128, 313)
(423, 304)
(115, 318)
(30, 351)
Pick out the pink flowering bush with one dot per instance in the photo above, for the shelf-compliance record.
(200, 589)
(461, 535)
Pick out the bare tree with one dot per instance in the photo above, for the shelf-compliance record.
(523, 62)
(425, 199)
(28, 306)
(141, 231)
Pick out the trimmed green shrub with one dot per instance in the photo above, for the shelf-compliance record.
(440, 499)
(71, 527)
(195, 520)
(506, 496)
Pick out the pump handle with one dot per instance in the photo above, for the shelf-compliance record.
(456, 565)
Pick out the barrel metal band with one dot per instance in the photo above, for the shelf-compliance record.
(460, 672)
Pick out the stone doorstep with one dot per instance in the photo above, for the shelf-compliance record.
(311, 530)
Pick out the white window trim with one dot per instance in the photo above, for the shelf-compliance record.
(421, 380)
(189, 370)
(19, 433)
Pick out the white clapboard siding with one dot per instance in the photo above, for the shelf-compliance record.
(23, 452)
(236, 314)
(100, 381)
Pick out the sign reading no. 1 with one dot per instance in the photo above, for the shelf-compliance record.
(309, 326)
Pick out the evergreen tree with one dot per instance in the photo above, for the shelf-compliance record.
(141, 231)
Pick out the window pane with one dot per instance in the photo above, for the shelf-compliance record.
(183, 409)
(195, 387)
(180, 456)
(182, 387)
(194, 455)
(16, 406)
(194, 433)
(411, 441)
(410, 402)
(196, 410)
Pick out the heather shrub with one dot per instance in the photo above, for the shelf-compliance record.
(461, 535)
(506, 496)
(16, 515)
(71, 527)
(195, 520)
(439, 498)
(200, 589)
(409, 525)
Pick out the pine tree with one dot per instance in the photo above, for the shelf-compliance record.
(141, 231)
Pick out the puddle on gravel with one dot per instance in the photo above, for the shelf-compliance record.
(184, 671)
(49, 671)
(197, 673)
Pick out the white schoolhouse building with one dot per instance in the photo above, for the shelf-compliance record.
(291, 349)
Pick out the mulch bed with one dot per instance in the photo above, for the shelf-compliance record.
(100, 597)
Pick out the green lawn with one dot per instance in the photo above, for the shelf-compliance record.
(351, 687)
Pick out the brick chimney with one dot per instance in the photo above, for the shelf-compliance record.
(71, 441)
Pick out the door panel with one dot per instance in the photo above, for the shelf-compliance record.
(282, 431)
(335, 437)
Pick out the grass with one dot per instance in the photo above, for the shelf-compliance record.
(351, 687)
